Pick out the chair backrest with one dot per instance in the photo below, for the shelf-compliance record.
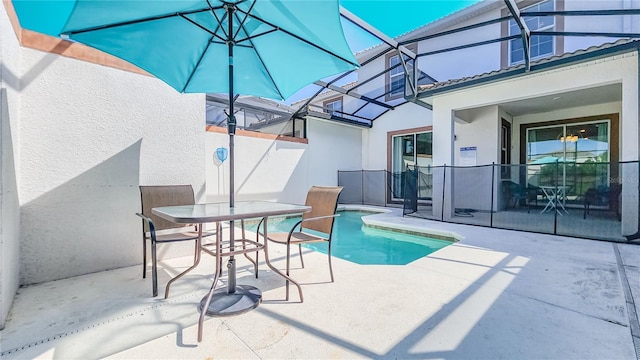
(164, 195)
(323, 201)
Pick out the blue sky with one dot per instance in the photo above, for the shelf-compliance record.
(393, 18)
(396, 17)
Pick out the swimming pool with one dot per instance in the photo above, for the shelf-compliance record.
(355, 242)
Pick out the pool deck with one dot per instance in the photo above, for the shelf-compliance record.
(492, 294)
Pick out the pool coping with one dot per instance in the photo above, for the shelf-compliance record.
(392, 219)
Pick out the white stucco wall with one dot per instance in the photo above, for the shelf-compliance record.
(457, 64)
(374, 140)
(9, 166)
(481, 131)
(89, 136)
(263, 169)
(619, 24)
(281, 170)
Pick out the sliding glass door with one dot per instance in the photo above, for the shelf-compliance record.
(412, 150)
(574, 156)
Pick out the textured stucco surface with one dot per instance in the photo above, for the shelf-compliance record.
(9, 205)
(407, 116)
(89, 136)
(282, 170)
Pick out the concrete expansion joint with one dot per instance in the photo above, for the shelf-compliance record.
(92, 326)
(240, 339)
(634, 323)
(576, 311)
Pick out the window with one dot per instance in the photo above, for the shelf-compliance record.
(333, 107)
(541, 45)
(574, 155)
(395, 76)
(505, 149)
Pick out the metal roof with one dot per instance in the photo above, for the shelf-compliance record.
(365, 107)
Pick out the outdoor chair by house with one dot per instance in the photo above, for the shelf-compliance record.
(516, 194)
(159, 230)
(603, 196)
(315, 226)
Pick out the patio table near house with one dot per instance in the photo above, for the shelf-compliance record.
(235, 299)
(556, 196)
(217, 213)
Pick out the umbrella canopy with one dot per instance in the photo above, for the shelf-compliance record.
(268, 48)
(275, 46)
(279, 46)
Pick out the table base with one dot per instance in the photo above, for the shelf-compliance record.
(245, 298)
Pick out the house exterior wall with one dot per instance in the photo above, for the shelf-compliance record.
(280, 170)
(10, 74)
(374, 88)
(89, 136)
(598, 23)
(374, 140)
(482, 132)
(480, 59)
(622, 69)
(465, 62)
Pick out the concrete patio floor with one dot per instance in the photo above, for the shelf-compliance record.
(494, 294)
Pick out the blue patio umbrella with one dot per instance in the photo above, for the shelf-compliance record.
(267, 48)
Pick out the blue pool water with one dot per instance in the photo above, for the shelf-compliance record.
(361, 244)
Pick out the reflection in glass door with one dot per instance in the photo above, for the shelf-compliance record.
(573, 156)
(413, 150)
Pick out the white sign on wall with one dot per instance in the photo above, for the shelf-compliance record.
(468, 155)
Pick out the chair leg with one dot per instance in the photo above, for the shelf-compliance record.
(586, 210)
(300, 252)
(287, 271)
(154, 269)
(330, 267)
(144, 256)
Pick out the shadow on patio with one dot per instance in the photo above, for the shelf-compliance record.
(495, 294)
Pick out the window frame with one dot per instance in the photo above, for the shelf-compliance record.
(558, 41)
(400, 133)
(545, 28)
(333, 101)
(388, 81)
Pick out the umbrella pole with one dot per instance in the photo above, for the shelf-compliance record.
(234, 299)
(231, 127)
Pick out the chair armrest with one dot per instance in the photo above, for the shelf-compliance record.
(299, 223)
(152, 228)
(145, 218)
(150, 222)
(317, 218)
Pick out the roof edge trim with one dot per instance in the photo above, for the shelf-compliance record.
(575, 59)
